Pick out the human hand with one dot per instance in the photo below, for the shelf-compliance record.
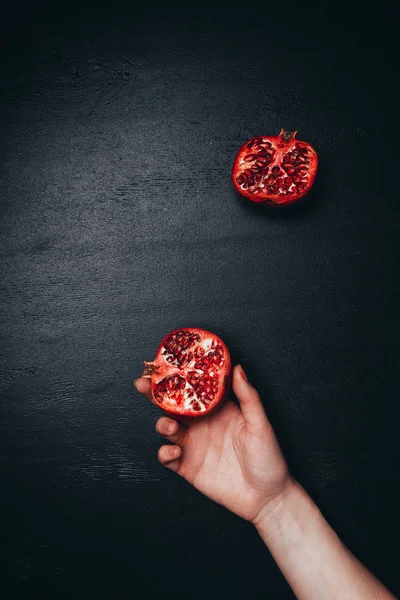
(232, 456)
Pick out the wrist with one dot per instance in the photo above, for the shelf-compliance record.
(275, 514)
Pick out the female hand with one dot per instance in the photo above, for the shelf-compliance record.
(231, 456)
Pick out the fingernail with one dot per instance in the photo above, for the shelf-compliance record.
(134, 383)
(173, 452)
(243, 374)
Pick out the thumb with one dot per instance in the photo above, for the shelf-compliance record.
(249, 399)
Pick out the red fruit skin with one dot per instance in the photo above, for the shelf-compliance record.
(283, 144)
(159, 370)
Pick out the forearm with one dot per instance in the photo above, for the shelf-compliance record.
(310, 555)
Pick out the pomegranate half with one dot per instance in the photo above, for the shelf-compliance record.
(190, 374)
(275, 170)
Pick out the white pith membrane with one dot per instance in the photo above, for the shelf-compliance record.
(270, 169)
(194, 385)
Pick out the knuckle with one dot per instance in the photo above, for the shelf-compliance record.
(169, 426)
(162, 425)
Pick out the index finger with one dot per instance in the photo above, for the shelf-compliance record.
(143, 386)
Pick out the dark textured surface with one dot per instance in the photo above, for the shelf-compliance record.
(119, 223)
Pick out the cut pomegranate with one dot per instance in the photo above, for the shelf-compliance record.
(275, 170)
(190, 375)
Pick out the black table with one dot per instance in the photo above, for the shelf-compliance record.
(119, 222)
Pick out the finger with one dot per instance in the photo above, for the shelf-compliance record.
(170, 456)
(249, 399)
(143, 386)
(174, 432)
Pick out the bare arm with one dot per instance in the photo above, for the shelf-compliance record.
(233, 457)
(311, 556)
